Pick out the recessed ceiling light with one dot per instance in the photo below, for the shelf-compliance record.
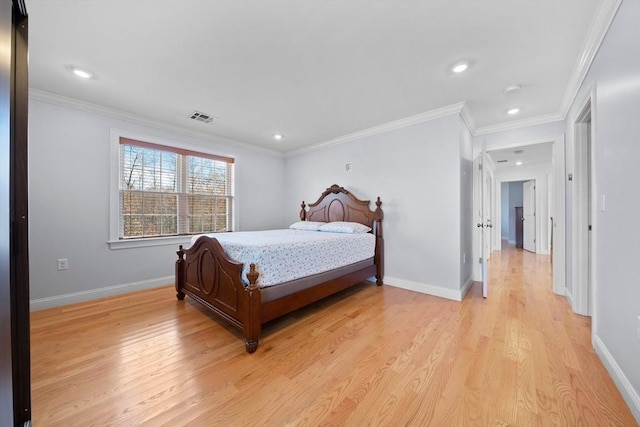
(460, 67)
(512, 89)
(80, 72)
(518, 163)
(513, 111)
(277, 137)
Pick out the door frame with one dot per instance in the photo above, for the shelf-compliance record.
(536, 217)
(582, 295)
(558, 201)
(519, 178)
(558, 208)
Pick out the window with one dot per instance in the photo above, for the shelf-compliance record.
(167, 191)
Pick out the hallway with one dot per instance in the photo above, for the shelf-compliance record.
(547, 347)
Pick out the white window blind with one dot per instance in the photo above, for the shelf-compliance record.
(167, 191)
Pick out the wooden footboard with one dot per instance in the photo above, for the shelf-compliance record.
(205, 273)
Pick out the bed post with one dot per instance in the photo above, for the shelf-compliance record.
(180, 265)
(303, 212)
(379, 254)
(253, 326)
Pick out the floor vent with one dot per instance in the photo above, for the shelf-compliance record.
(201, 117)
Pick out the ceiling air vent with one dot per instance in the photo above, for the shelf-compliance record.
(503, 161)
(201, 117)
(518, 151)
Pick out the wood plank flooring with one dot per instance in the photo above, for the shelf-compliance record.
(368, 356)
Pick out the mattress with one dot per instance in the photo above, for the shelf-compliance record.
(285, 255)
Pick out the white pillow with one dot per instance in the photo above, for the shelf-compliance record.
(306, 225)
(344, 227)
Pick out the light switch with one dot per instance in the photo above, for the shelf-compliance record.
(602, 203)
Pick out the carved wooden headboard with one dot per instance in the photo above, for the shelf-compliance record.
(338, 204)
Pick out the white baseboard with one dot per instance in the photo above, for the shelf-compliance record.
(559, 287)
(58, 300)
(629, 394)
(424, 288)
(465, 288)
(477, 277)
(567, 294)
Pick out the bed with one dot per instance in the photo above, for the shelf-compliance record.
(207, 274)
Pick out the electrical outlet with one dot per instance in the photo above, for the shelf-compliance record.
(347, 167)
(464, 258)
(63, 264)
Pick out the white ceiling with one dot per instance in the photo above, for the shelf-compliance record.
(528, 155)
(315, 71)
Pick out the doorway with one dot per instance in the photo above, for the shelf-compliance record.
(529, 216)
(582, 287)
(517, 214)
(549, 172)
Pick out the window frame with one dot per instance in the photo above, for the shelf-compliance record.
(114, 240)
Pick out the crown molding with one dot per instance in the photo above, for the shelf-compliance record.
(597, 31)
(87, 107)
(517, 124)
(467, 117)
(386, 127)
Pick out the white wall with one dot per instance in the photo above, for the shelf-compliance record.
(422, 174)
(69, 206)
(467, 225)
(615, 79)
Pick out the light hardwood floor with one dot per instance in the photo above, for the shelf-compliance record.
(369, 356)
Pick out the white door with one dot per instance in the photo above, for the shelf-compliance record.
(529, 216)
(482, 191)
(487, 225)
(487, 195)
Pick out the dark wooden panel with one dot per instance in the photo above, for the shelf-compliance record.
(210, 275)
(519, 227)
(20, 214)
(338, 204)
(15, 372)
(6, 370)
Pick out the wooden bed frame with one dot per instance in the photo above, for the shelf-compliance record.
(206, 274)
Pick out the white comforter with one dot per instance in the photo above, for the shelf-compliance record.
(284, 255)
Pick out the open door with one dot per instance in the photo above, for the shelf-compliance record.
(529, 215)
(482, 193)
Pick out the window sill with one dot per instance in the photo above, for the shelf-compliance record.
(147, 242)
